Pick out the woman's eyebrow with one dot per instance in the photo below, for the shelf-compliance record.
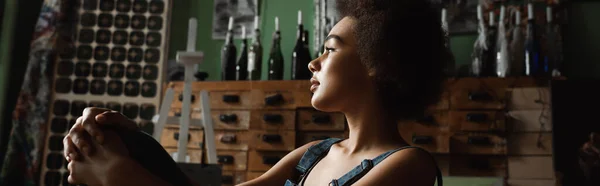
(332, 36)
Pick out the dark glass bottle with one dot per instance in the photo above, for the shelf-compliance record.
(300, 56)
(276, 57)
(242, 64)
(489, 64)
(228, 55)
(255, 54)
(533, 67)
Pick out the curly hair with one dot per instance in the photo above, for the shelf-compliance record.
(404, 44)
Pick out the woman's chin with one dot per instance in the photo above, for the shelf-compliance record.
(320, 103)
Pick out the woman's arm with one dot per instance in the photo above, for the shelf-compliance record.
(283, 170)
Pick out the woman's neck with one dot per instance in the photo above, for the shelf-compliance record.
(371, 128)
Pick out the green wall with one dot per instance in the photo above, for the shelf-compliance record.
(286, 10)
(5, 42)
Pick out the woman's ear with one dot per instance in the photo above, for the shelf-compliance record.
(371, 72)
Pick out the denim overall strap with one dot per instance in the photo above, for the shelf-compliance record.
(314, 153)
(311, 156)
(366, 165)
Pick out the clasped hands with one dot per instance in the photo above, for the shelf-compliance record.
(96, 156)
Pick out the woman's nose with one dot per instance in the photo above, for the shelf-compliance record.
(313, 66)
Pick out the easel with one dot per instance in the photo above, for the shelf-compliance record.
(189, 58)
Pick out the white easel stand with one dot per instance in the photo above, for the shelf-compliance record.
(189, 59)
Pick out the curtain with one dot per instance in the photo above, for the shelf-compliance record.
(29, 119)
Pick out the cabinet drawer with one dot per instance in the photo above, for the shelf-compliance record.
(273, 140)
(231, 119)
(273, 120)
(264, 160)
(478, 93)
(531, 182)
(527, 144)
(529, 120)
(178, 100)
(232, 160)
(253, 175)
(273, 99)
(443, 162)
(478, 166)
(230, 178)
(193, 155)
(478, 144)
(170, 136)
(232, 140)
(434, 121)
(434, 141)
(230, 99)
(307, 137)
(303, 98)
(528, 98)
(443, 103)
(313, 120)
(477, 121)
(531, 167)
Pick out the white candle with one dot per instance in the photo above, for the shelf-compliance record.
(277, 23)
(256, 22)
(518, 17)
(502, 12)
(299, 17)
(492, 18)
(230, 26)
(479, 13)
(444, 15)
(192, 30)
(549, 14)
(530, 11)
(243, 32)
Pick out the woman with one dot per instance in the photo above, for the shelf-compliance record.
(383, 62)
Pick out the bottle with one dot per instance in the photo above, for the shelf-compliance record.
(275, 56)
(242, 64)
(450, 66)
(553, 55)
(228, 55)
(480, 46)
(305, 38)
(300, 57)
(489, 64)
(532, 47)
(517, 48)
(255, 54)
(502, 64)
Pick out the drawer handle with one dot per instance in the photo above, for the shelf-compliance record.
(274, 100)
(231, 98)
(477, 117)
(181, 97)
(321, 118)
(270, 160)
(314, 138)
(479, 164)
(422, 140)
(271, 138)
(176, 136)
(177, 114)
(273, 118)
(227, 179)
(479, 140)
(225, 159)
(228, 118)
(480, 96)
(229, 138)
(428, 119)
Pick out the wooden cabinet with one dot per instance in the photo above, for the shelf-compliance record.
(484, 144)
(280, 120)
(313, 120)
(230, 99)
(273, 140)
(262, 161)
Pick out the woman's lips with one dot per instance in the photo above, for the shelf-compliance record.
(315, 84)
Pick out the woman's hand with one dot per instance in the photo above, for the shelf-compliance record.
(88, 129)
(109, 164)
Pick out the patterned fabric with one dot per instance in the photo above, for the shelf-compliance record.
(23, 157)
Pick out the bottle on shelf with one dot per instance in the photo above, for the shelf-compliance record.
(480, 46)
(489, 63)
(242, 63)
(228, 55)
(275, 56)
(533, 67)
(517, 48)
(450, 70)
(300, 55)
(305, 38)
(502, 64)
(255, 54)
(553, 55)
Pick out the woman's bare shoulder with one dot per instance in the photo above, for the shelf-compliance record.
(409, 166)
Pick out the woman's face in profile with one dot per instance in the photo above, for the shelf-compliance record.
(339, 78)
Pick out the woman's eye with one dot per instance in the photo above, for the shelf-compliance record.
(329, 49)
